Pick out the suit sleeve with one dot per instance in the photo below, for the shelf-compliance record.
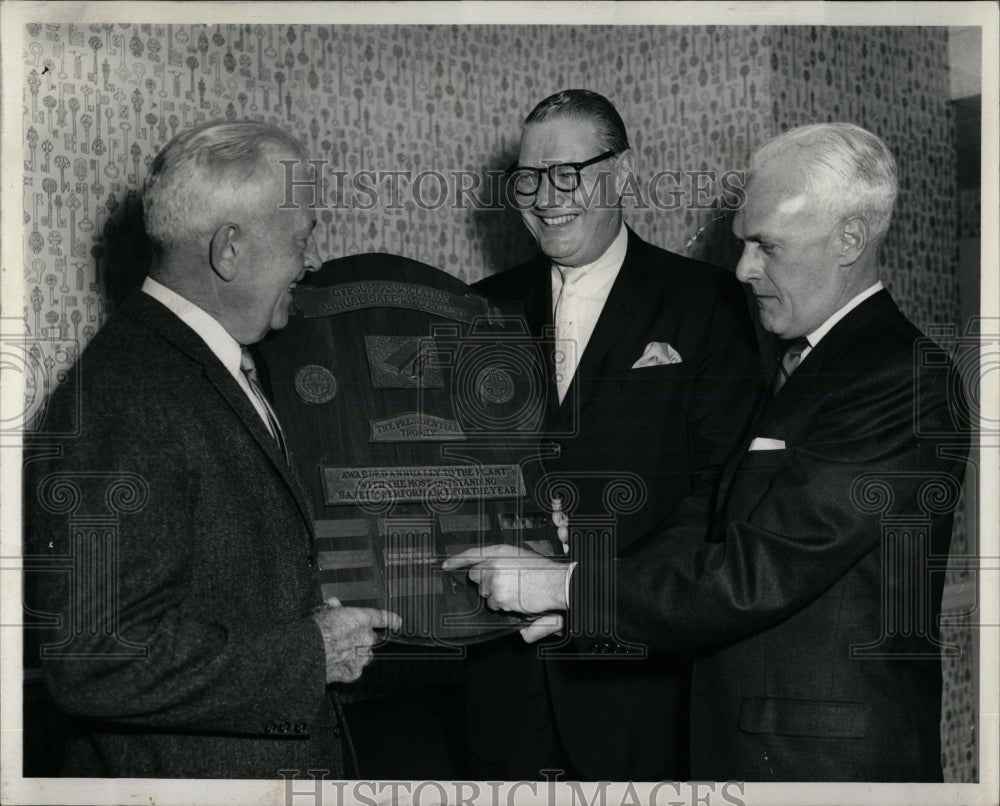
(146, 651)
(802, 525)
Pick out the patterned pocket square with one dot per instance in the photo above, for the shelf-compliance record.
(657, 353)
(766, 444)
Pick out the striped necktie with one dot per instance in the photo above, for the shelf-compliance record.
(789, 361)
(249, 369)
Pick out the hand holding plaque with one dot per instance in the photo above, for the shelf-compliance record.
(348, 637)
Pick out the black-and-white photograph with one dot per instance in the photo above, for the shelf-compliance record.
(500, 403)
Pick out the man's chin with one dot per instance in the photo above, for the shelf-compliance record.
(558, 251)
(280, 319)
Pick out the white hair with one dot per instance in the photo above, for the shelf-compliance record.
(207, 172)
(850, 169)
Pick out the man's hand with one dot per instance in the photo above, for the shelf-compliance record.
(348, 636)
(514, 579)
(542, 627)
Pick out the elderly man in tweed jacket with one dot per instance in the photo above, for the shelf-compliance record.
(193, 641)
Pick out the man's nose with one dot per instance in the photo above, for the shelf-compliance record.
(548, 195)
(311, 258)
(749, 266)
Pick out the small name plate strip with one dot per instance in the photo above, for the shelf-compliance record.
(415, 427)
(334, 299)
(432, 483)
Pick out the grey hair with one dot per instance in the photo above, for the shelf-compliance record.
(206, 172)
(849, 168)
(585, 105)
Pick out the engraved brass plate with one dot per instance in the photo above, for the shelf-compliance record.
(315, 302)
(432, 483)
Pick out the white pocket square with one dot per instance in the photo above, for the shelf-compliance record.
(656, 353)
(766, 444)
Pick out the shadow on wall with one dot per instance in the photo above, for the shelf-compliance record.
(128, 254)
(504, 240)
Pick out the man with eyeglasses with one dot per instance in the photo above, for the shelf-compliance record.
(655, 377)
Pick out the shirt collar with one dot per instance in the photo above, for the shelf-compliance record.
(224, 346)
(590, 278)
(814, 337)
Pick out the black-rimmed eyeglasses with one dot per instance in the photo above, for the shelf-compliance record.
(564, 176)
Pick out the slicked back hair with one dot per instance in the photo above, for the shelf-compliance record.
(585, 105)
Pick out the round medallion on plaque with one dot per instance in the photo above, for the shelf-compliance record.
(315, 384)
(495, 385)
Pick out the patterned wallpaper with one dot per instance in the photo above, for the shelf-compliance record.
(102, 99)
(969, 212)
(893, 81)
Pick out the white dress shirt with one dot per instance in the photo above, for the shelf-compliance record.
(814, 337)
(578, 297)
(216, 337)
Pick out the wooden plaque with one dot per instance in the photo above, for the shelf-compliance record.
(412, 408)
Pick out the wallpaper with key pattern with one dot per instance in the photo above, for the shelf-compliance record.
(101, 99)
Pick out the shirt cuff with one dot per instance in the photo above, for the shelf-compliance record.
(569, 576)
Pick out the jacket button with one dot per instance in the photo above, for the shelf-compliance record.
(338, 731)
(310, 562)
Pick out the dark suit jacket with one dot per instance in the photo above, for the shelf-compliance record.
(817, 606)
(209, 665)
(666, 431)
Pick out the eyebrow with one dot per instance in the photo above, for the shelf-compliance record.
(756, 237)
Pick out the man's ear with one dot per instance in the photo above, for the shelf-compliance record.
(222, 251)
(624, 168)
(853, 240)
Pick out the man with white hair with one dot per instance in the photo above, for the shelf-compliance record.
(814, 606)
(192, 639)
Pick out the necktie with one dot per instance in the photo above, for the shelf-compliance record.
(789, 361)
(566, 336)
(249, 370)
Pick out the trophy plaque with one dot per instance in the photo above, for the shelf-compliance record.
(412, 409)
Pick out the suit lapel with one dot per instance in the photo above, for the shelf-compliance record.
(538, 312)
(841, 340)
(157, 317)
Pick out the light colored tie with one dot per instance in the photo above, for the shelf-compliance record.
(249, 369)
(789, 361)
(566, 335)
